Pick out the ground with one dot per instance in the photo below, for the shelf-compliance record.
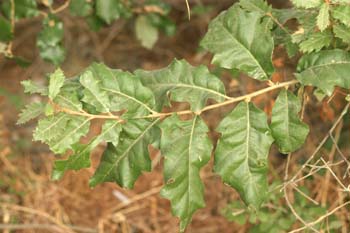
(31, 200)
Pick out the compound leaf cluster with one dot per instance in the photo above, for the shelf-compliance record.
(131, 106)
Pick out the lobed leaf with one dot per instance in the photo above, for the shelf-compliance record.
(69, 96)
(81, 153)
(237, 43)
(186, 149)
(32, 88)
(325, 70)
(307, 4)
(287, 129)
(341, 31)
(242, 150)
(50, 39)
(256, 6)
(184, 83)
(124, 163)
(323, 17)
(56, 81)
(61, 131)
(93, 93)
(316, 41)
(30, 112)
(124, 90)
(342, 13)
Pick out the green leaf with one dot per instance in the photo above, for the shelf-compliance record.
(50, 40)
(56, 81)
(68, 96)
(61, 131)
(32, 88)
(323, 17)
(316, 41)
(343, 32)
(307, 20)
(93, 93)
(80, 8)
(238, 43)
(186, 148)
(325, 70)
(81, 156)
(283, 15)
(109, 10)
(341, 1)
(242, 150)
(95, 23)
(49, 109)
(31, 111)
(23, 8)
(307, 4)
(163, 23)
(184, 83)
(287, 129)
(342, 13)
(124, 164)
(125, 91)
(146, 33)
(255, 6)
(5, 30)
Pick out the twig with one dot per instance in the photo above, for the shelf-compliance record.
(306, 225)
(230, 100)
(345, 110)
(324, 192)
(45, 215)
(227, 102)
(61, 8)
(277, 22)
(320, 218)
(26, 226)
(188, 9)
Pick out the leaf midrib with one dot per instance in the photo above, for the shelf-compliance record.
(128, 149)
(176, 85)
(129, 97)
(244, 48)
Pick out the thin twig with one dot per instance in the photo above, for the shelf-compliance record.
(61, 8)
(230, 100)
(294, 211)
(188, 9)
(345, 110)
(227, 102)
(320, 218)
(27, 226)
(45, 215)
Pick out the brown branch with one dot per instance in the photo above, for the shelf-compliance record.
(61, 8)
(230, 100)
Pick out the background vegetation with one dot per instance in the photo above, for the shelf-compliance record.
(149, 35)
